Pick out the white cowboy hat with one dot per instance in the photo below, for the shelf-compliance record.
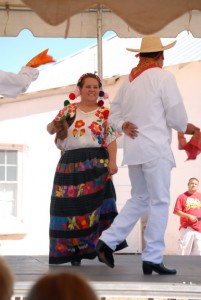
(151, 44)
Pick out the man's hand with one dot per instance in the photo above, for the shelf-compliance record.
(130, 129)
(192, 218)
(191, 129)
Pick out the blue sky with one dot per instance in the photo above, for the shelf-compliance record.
(17, 51)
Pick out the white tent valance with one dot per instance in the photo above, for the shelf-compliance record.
(72, 18)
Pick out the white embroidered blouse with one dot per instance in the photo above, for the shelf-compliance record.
(89, 129)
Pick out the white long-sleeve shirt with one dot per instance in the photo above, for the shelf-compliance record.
(12, 84)
(153, 102)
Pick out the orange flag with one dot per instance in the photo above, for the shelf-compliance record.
(40, 59)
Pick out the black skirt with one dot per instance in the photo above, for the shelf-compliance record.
(83, 204)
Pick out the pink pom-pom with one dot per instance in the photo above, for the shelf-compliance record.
(77, 93)
(106, 96)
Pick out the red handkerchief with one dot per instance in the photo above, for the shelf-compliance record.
(193, 147)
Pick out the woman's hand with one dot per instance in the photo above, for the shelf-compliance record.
(112, 167)
(61, 128)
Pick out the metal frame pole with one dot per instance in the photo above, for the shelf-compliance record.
(99, 41)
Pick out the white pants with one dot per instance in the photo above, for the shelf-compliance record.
(150, 184)
(189, 242)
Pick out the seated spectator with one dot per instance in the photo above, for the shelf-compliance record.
(6, 280)
(62, 286)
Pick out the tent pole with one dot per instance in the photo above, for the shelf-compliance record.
(99, 41)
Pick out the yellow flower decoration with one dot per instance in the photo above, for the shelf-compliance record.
(72, 223)
(80, 189)
(93, 218)
(106, 162)
(59, 192)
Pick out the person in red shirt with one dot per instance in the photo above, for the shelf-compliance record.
(188, 208)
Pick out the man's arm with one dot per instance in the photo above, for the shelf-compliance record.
(12, 84)
(185, 215)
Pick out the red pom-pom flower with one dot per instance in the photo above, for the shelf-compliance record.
(72, 96)
(100, 103)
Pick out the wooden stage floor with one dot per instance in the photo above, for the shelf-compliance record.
(125, 280)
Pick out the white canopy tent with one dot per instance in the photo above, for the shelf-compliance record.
(92, 18)
(77, 18)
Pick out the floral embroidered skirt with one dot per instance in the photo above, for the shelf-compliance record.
(82, 205)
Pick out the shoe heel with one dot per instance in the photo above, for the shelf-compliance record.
(147, 270)
(105, 254)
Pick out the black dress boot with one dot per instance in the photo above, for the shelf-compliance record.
(105, 254)
(148, 267)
